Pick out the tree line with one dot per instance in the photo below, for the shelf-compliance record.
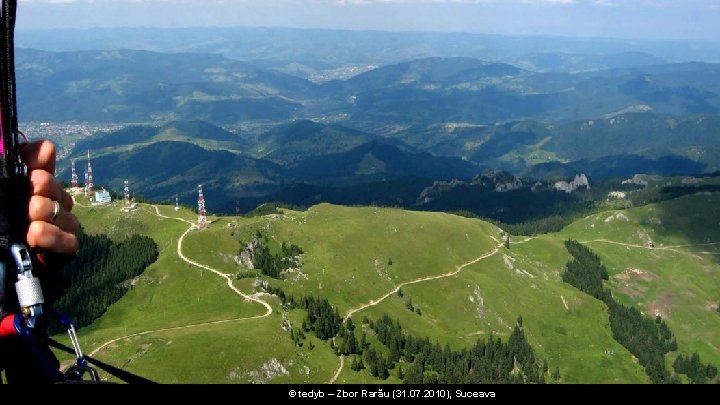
(488, 361)
(694, 369)
(648, 339)
(322, 318)
(101, 274)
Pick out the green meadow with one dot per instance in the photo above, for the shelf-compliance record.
(182, 323)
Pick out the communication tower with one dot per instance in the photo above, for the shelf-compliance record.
(127, 193)
(202, 214)
(74, 177)
(89, 177)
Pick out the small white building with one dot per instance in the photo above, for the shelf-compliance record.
(102, 197)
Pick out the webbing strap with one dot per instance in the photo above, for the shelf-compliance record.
(12, 187)
(8, 103)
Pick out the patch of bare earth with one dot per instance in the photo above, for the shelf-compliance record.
(661, 307)
(633, 282)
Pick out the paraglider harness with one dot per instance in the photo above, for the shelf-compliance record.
(25, 355)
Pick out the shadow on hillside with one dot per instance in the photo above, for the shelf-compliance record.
(693, 218)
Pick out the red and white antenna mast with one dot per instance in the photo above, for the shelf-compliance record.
(74, 177)
(89, 177)
(202, 214)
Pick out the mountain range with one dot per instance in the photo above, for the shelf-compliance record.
(257, 131)
(132, 86)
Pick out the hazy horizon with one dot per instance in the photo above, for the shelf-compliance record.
(694, 20)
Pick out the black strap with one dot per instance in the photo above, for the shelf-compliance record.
(126, 376)
(14, 188)
(7, 84)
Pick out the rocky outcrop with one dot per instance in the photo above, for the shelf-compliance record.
(246, 256)
(497, 181)
(691, 180)
(580, 180)
(438, 187)
(642, 179)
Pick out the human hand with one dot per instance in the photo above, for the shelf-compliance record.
(49, 229)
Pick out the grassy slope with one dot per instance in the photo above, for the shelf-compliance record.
(679, 278)
(347, 252)
(346, 260)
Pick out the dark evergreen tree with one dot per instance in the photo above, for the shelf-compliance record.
(357, 364)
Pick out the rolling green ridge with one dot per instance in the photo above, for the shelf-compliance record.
(212, 137)
(426, 119)
(305, 162)
(452, 268)
(162, 162)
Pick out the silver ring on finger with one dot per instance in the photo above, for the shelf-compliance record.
(56, 211)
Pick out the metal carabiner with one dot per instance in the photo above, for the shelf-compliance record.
(27, 287)
(76, 372)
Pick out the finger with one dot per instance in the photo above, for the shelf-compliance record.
(43, 209)
(44, 184)
(39, 155)
(50, 237)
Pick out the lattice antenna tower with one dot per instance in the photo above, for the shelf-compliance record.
(74, 177)
(89, 176)
(202, 214)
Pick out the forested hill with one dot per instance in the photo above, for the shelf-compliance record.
(102, 272)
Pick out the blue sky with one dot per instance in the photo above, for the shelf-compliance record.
(643, 19)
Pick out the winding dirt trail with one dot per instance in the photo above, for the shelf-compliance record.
(421, 280)
(670, 248)
(246, 297)
(338, 371)
(357, 309)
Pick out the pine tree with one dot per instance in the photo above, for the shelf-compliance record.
(357, 364)
(351, 346)
(382, 368)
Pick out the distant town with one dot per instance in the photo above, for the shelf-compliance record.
(66, 135)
